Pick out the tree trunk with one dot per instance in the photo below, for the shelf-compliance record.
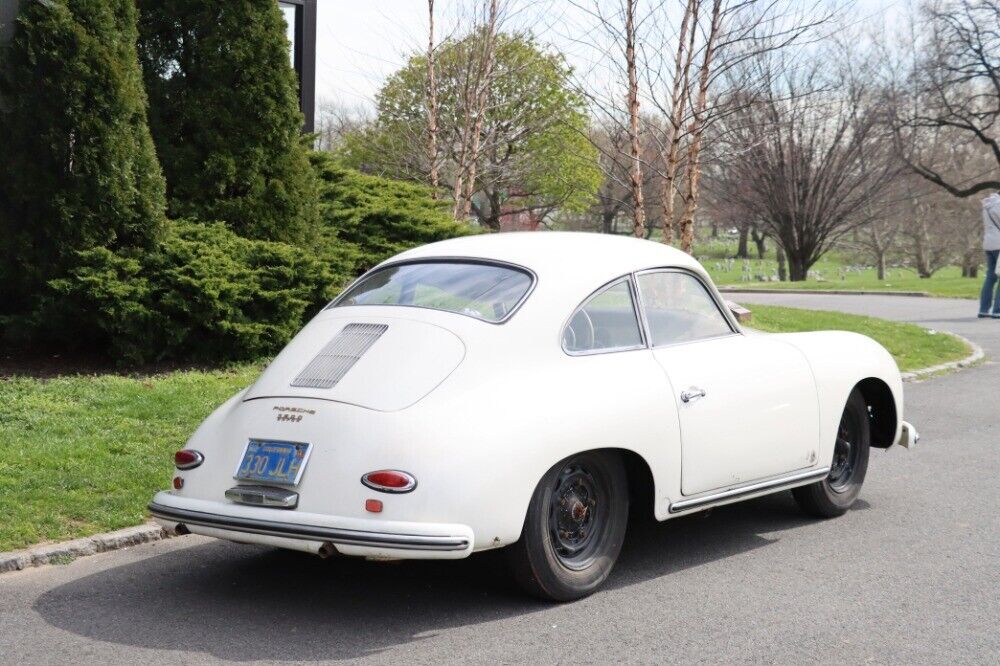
(678, 96)
(742, 250)
(432, 149)
(970, 264)
(635, 174)
(697, 129)
(880, 265)
(760, 240)
(782, 270)
(482, 99)
(798, 267)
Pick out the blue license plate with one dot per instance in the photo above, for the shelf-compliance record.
(273, 462)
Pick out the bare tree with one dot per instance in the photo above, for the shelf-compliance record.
(807, 155)
(638, 207)
(679, 69)
(335, 122)
(675, 116)
(432, 110)
(485, 85)
(697, 130)
(954, 83)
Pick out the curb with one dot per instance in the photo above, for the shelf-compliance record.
(975, 357)
(832, 292)
(61, 553)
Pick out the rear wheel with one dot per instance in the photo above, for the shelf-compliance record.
(574, 527)
(835, 494)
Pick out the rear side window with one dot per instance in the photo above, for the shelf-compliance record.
(678, 308)
(605, 322)
(490, 292)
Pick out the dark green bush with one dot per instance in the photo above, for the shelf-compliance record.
(204, 294)
(77, 165)
(367, 219)
(224, 113)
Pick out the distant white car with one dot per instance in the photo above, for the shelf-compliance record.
(524, 391)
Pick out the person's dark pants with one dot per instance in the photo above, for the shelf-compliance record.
(990, 285)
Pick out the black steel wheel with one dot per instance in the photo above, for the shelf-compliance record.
(574, 527)
(835, 494)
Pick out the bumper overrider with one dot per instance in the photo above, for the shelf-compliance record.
(312, 532)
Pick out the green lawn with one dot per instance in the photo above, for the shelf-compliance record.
(912, 346)
(835, 271)
(84, 454)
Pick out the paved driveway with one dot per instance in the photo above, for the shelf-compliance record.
(911, 575)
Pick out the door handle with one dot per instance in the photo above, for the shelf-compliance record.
(692, 393)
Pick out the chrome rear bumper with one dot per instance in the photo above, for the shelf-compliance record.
(315, 533)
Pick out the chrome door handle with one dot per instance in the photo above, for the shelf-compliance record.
(692, 393)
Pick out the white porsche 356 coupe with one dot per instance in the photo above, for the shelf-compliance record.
(521, 391)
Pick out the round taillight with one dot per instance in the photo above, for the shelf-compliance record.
(188, 459)
(389, 481)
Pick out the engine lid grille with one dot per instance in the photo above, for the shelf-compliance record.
(339, 355)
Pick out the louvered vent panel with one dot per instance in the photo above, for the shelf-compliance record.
(339, 355)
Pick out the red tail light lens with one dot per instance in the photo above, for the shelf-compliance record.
(188, 459)
(389, 481)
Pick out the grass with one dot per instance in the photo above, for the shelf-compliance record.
(912, 346)
(834, 272)
(84, 454)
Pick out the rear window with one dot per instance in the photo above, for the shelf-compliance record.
(490, 292)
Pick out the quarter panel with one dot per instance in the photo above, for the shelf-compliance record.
(840, 360)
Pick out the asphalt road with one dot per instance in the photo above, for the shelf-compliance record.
(911, 575)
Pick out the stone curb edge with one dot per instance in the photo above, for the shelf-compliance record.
(976, 356)
(69, 550)
(831, 292)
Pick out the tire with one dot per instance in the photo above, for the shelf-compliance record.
(574, 528)
(835, 494)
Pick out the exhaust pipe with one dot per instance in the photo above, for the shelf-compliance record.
(326, 550)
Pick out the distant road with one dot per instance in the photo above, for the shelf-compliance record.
(911, 575)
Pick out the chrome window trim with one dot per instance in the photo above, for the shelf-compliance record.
(633, 294)
(335, 303)
(719, 305)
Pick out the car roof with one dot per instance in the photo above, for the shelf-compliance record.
(572, 258)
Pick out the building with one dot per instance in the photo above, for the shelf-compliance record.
(300, 15)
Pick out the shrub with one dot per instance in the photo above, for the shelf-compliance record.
(77, 165)
(367, 219)
(224, 113)
(204, 294)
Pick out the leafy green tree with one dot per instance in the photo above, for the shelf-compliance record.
(77, 165)
(367, 219)
(534, 153)
(225, 117)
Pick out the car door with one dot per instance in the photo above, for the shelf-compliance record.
(747, 403)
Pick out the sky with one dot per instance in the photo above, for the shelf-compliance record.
(361, 42)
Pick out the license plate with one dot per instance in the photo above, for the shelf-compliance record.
(273, 462)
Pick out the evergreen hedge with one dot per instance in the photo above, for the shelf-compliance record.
(225, 117)
(77, 165)
(203, 294)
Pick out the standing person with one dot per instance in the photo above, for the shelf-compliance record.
(991, 243)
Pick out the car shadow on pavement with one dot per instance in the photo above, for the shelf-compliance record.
(246, 603)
